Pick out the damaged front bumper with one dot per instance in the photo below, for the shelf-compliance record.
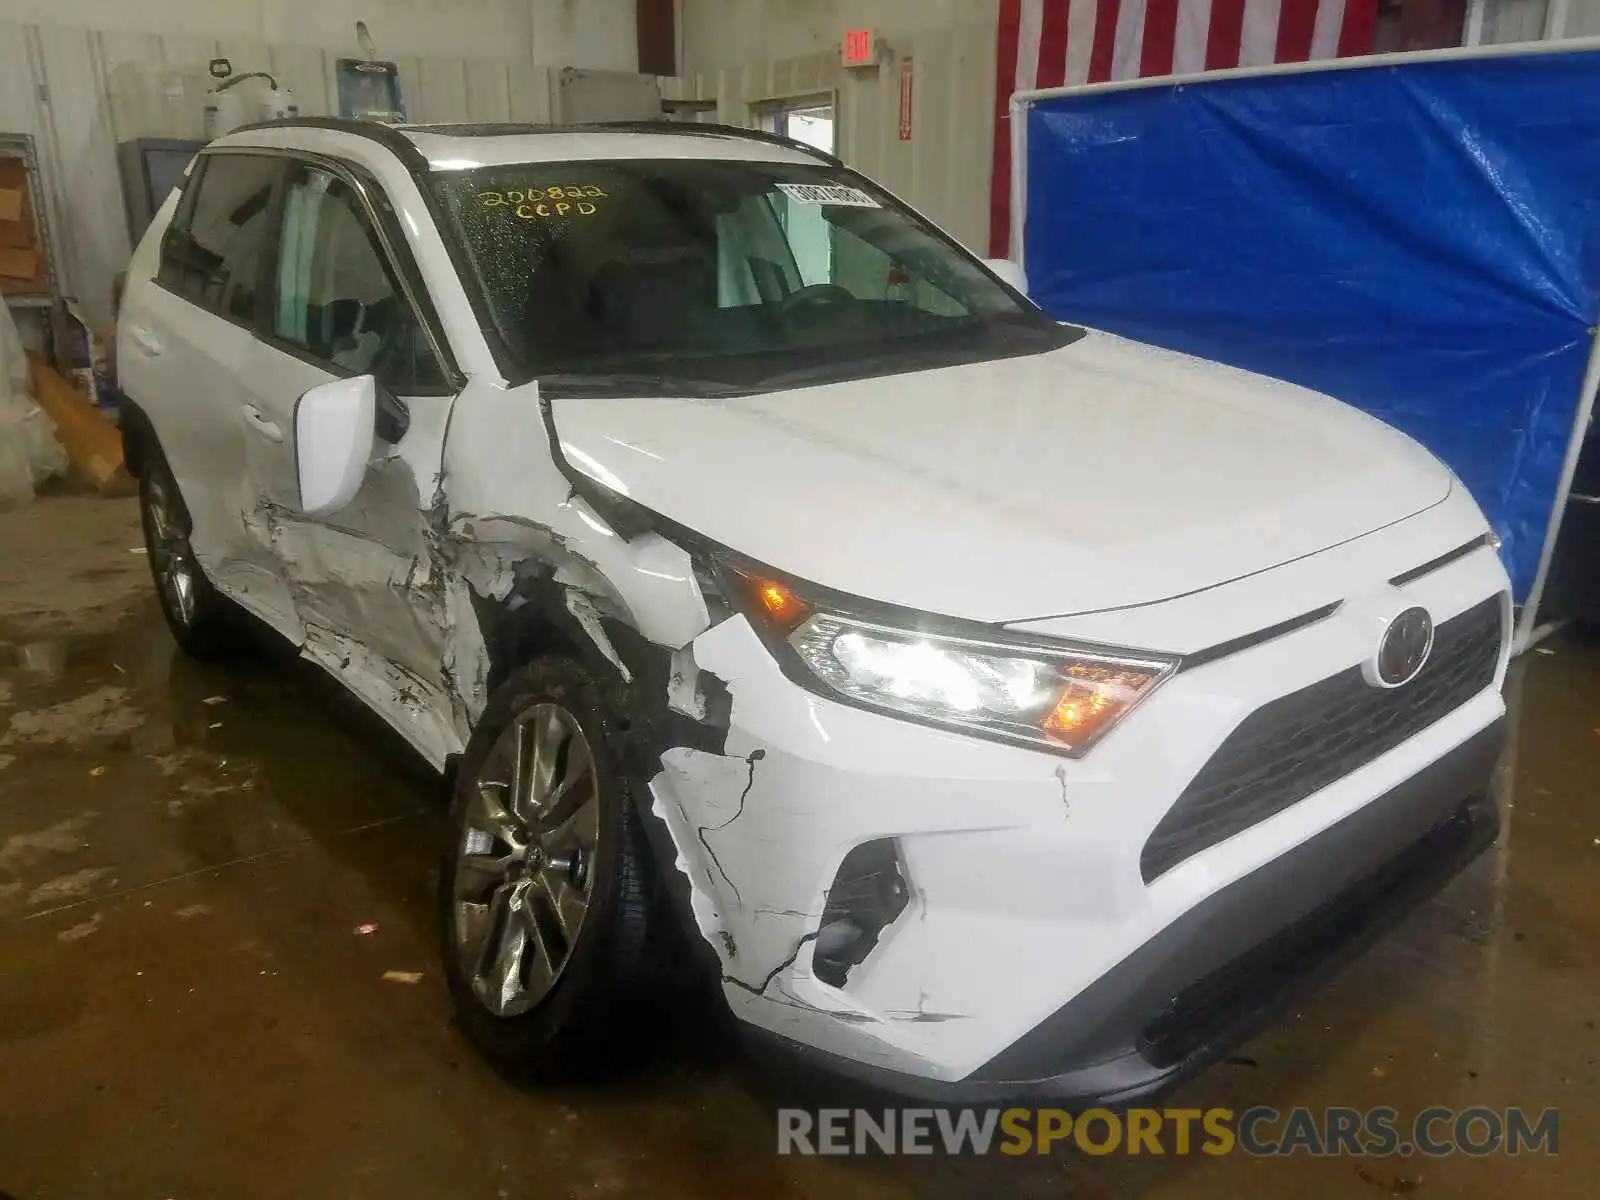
(965, 921)
(1218, 973)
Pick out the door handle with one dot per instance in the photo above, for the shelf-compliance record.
(254, 419)
(145, 340)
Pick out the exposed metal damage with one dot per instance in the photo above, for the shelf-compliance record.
(467, 587)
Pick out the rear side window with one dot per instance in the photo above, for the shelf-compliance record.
(337, 299)
(213, 252)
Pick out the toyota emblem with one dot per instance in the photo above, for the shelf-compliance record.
(1405, 647)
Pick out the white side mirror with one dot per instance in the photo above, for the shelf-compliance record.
(1009, 272)
(334, 427)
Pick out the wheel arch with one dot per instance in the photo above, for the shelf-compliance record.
(634, 675)
(140, 445)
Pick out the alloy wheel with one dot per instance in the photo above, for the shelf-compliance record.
(170, 553)
(526, 860)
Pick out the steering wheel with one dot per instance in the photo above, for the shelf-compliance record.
(815, 296)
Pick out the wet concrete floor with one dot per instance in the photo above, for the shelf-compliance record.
(207, 872)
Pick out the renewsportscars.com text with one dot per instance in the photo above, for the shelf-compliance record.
(1328, 1132)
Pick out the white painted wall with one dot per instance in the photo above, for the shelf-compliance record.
(1583, 18)
(81, 75)
(731, 33)
(1513, 20)
(1529, 20)
(577, 33)
(745, 53)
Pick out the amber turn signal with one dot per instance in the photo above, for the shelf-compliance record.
(1094, 698)
(775, 603)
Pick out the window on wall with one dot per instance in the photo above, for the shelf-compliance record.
(1419, 24)
(812, 124)
(336, 296)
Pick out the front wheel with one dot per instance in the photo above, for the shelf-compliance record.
(201, 619)
(547, 894)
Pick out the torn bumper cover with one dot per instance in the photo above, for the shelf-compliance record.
(965, 921)
(1165, 1012)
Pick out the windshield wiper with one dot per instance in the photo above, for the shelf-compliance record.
(634, 383)
(910, 355)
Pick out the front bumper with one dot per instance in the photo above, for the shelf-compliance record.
(1032, 953)
(1212, 977)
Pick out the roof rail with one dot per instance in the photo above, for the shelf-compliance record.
(711, 129)
(385, 135)
(397, 141)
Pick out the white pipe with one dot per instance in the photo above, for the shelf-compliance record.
(1569, 467)
(1536, 636)
(1019, 180)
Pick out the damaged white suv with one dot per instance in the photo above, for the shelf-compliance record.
(1001, 708)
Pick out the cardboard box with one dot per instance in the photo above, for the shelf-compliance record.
(92, 442)
(17, 218)
(18, 264)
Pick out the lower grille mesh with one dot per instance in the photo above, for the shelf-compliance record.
(1296, 745)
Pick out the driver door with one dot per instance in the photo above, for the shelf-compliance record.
(359, 578)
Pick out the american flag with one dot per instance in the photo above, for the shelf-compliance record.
(1056, 43)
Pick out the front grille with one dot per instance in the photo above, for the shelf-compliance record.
(1300, 743)
(1204, 1012)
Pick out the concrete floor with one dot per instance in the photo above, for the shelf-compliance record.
(187, 1008)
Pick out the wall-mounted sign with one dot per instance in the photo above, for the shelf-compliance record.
(860, 48)
(369, 90)
(905, 99)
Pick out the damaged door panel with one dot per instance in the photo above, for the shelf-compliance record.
(513, 520)
(191, 352)
(369, 590)
(370, 594)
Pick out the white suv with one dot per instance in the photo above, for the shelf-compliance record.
(1000, 708)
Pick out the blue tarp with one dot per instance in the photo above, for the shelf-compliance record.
(1420, 240)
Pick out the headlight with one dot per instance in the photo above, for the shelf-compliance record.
(1055, 697)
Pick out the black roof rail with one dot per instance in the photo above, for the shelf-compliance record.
(376, 131)
(711, 129)
(391, 137)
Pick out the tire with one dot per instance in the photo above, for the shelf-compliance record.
(203, 622)
(542, 986)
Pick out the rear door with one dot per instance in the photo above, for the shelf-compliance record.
(346, 300)
(190, 342)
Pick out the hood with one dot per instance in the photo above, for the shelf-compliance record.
(1101, 475)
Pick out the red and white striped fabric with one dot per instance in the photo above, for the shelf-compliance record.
(1056, 43)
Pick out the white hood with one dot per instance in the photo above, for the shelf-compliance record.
(1101, 475)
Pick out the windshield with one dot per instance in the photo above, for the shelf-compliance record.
(712, 276)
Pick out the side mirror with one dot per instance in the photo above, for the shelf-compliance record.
(334, 428)
(1009, 272)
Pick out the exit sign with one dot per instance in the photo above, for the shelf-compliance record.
(860, 48)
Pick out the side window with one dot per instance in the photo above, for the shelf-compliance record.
(336, 296)
(212, 255)
(176, 246)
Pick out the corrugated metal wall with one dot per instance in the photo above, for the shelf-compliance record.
(78, 92)
(943, 169)
(1514, 20)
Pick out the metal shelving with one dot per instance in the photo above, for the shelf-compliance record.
(20, 145)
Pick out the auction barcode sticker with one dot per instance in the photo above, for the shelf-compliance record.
(827, 193)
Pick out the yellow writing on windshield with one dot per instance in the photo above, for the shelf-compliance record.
(538, 204)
